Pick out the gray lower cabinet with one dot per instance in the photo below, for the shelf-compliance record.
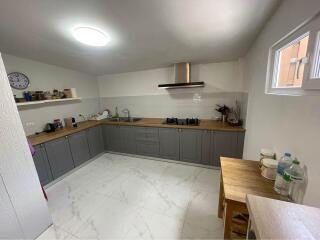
(227, 144)
(42, 165)
(147, 148)
(59, 156)
(128, 138)
(207, 149)
(190, 145)
(79, 148)
(113, 138)
(187, 145)
(147, 141)
(95, 141)
(169, 143)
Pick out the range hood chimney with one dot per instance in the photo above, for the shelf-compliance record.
(182, 77)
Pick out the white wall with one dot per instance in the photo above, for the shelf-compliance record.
(48, 77)
(283, 122)
(218, 77)
(22, 204)
(139, 91)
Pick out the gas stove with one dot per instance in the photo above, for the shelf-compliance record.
(184, 121)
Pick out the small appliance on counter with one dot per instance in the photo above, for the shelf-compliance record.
(70, 122)
(52, 127)
(186, 121)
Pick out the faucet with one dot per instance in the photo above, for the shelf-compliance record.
(126, 111)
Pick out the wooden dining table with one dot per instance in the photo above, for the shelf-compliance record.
(238, 178)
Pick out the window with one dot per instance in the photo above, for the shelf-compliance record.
(294, 61)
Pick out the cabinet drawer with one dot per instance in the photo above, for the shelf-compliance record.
(148, 148)
(147, 134)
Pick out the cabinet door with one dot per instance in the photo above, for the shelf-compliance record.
(95, 141)
(113, 138)
(79, 148)
(169, 143)
(59, 156)
(147, 141)
(190, 145)
(148, 148)
(147, 134)
(42, 165)
(207, 148)
(127, 135)
(240, 144)
(225, 145)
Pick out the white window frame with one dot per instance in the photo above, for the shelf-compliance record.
(310, 85)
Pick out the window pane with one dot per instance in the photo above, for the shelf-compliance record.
(316, 66)
(290, 63)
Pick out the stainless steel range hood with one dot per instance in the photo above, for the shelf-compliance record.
(182, 72)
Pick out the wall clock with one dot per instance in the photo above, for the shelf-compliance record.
(18, 80)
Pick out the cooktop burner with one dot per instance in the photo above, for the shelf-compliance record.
(186, 121)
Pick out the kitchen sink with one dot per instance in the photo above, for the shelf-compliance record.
(124, 119)
(132, 119)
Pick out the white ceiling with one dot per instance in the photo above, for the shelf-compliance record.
(145, 33)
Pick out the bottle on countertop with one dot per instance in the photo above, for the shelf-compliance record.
(282, 182)
(296, 188)
(116, 113)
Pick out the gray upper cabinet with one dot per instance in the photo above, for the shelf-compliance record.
(227, 144)
(190, 145)
(42, 165)
(59, 156)
(128, 138)
(113, 138)
(169, 143)
(79, 148)
(95, 141)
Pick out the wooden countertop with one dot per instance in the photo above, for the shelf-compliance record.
(46, 137)
(242, 177)
(144, 122)
(158, 122)
(274, 219)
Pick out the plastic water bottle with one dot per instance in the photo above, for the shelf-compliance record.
(296, 173)
(282, 182)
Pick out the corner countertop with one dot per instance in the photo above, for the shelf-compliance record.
(43, 137)
(274, 219)
(211, 125)
(159, 122)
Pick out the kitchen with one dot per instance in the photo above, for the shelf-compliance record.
(173, 109)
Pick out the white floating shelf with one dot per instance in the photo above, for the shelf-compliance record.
(20, 104)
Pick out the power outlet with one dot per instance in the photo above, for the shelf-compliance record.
(30, 124)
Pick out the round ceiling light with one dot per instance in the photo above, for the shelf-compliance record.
(91, 36)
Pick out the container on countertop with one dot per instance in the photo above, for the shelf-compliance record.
(266, 153)
(269, 168)
(297, 188)
(281, 184)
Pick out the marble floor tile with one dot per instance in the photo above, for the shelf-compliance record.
(55, 233)
(122, 197)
